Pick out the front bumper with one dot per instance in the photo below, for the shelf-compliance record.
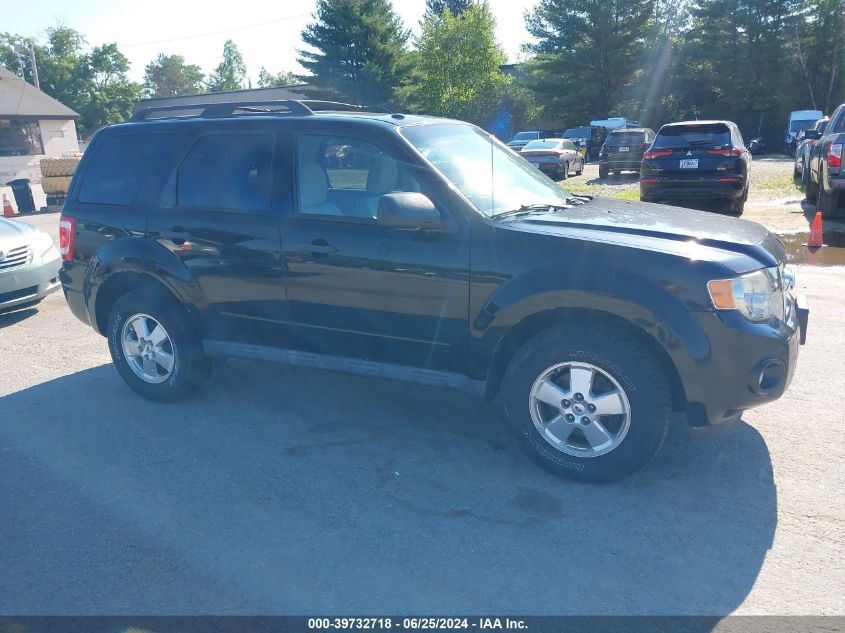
(738, 364)
(30, 284)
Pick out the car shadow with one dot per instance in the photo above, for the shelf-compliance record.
(616, 179)
(277, 490)
(16, 315)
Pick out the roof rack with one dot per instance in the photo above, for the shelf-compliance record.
(280, 106)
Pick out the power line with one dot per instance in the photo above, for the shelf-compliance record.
(236, 28)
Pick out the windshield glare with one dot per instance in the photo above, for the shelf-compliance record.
(543, 145)
(797, 126)
(490, 175)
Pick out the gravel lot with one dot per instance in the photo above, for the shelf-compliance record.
(281, 490)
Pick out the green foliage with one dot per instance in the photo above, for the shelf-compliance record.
(170, 76)
(93, 82)
(455, 7)
(586, 54)
(267, 79)
(230, 74)
(358, 51)
(456, 71)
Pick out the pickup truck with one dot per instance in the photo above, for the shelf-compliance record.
(825, 177)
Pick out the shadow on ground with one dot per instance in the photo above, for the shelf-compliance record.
(16, 315)
(278, 490)
(616, 179)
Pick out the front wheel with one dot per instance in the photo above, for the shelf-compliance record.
(155, 348)
(589, 403)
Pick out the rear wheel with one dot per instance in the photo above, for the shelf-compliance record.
(155, 347)
(603, 171)
(737, 205)
(580, 169)
(565, 172)
(589, 403)
(828, 204)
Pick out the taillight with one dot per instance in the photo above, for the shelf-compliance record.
(657, 154)
(67, 233)
(834, 155)
(725, 152)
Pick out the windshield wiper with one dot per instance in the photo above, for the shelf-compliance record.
(525, 209)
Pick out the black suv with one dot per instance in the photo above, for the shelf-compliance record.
(697, 161)
(423, 250)
(623, 150)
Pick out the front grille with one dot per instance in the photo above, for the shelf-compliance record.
(16, 258)
(6, 297)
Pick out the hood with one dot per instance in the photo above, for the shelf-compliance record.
(15, 233)
(741, 244)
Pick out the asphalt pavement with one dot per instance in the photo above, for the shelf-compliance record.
(287, 491)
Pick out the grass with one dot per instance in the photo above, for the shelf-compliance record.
(603, 190)
(778, 185)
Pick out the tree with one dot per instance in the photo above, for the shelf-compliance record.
(170, 76)
(358, 51)
(267, 79)
(93, 83)
(456, 66)
(230, 74)
(586, 53)
(456, 7)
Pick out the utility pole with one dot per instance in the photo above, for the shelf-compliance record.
(34, 67)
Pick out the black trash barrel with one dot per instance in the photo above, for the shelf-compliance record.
(23, 195)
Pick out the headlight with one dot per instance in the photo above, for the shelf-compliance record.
(43, 243)
(758, 295)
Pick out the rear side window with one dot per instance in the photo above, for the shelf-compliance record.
(117, 166)
(227, 171)
(684, 136)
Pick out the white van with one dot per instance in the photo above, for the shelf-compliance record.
(800, 120)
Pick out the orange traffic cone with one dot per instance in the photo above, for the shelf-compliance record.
(815, 239)
(8, 211)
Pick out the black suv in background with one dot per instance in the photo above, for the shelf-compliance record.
(423, 250)
(623, 150)
(697, 161)
(825, 178)
(588, 139)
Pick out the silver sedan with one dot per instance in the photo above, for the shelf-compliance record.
(29, 264)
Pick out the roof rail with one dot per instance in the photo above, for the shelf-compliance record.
(191, 110)
(280, 106)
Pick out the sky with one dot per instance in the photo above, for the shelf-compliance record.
(266, 33)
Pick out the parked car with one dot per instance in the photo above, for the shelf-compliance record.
(521, 139)
(555, 156)
(623, 150)
(587, 139)
(825, 179)
(805, 141)
(615, 122)
(799, 120)
(448, 261)
(757, 145)
(697, 160)
(29, 264)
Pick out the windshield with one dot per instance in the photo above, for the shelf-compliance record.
(526, 136)
(577, 132)
(683, 136)
(797, 126)
(491, 176)
(542, 145)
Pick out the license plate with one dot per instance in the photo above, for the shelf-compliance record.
(624, 149)
(689, 164)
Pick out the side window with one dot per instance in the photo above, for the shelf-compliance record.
(227, 171)
(117, 166)
(344, 176)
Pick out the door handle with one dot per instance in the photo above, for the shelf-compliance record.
(318, 246)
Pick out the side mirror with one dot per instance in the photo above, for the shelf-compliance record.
(812, 135)
(407, 210)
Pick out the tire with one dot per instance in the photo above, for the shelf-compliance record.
(638, 377)
(581, 170)
(189, 367)
(811, 192)
(795, 173)
(737, 205)
(828, 203)
(565, 172)
(603, 171)
(805, 179)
